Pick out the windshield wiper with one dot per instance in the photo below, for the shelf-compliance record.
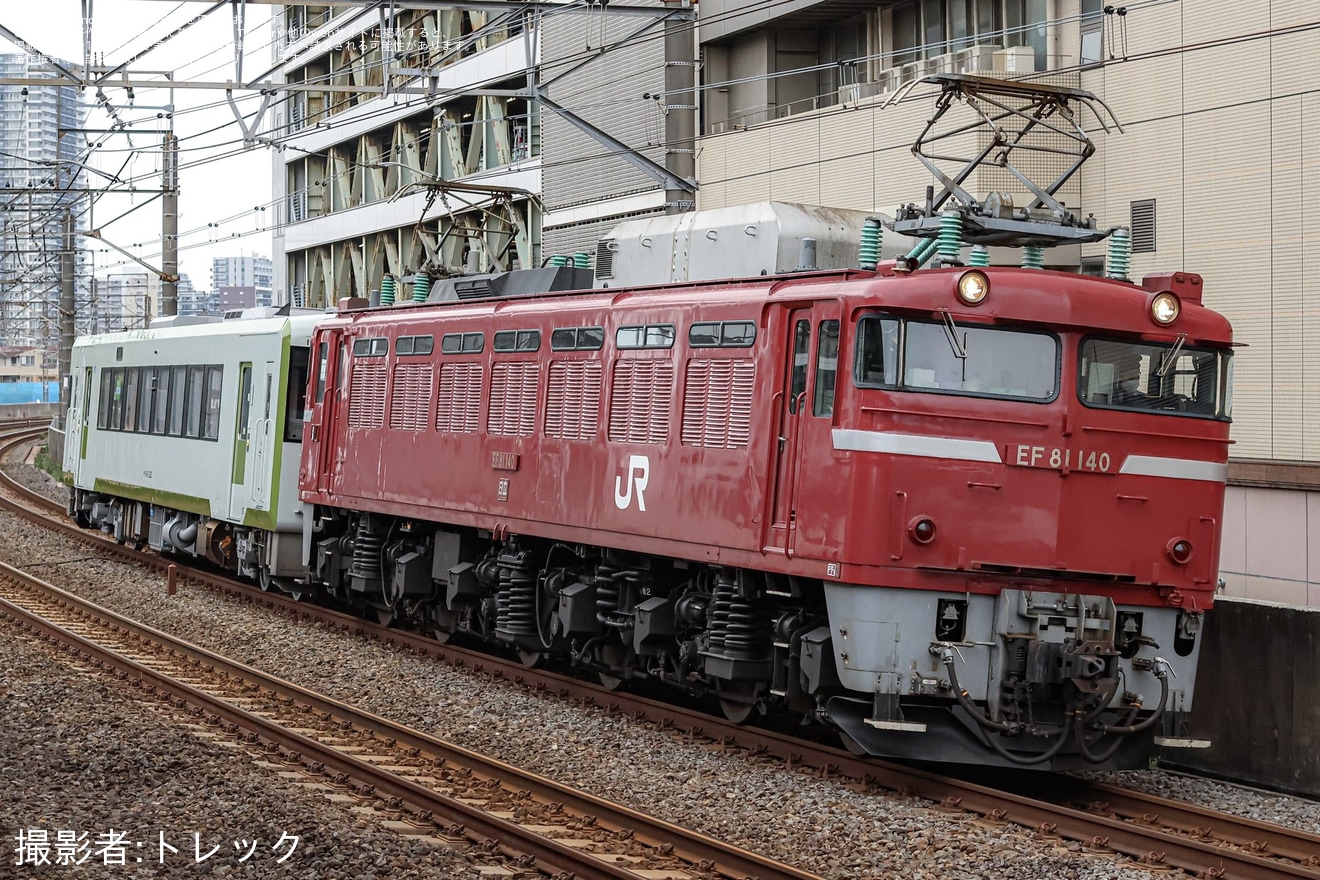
(1168, 358)
(951, 333)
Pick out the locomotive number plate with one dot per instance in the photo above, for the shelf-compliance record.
(1059, 458)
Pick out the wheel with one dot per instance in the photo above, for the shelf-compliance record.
(738, 700)
(443, 624)
(264, 579)
(530, 659)
(852, 745)
(384, 616)
(609, 682)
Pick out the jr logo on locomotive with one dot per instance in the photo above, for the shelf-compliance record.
(638, 474)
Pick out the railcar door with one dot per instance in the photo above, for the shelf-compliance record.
(241, 475)
(80, 395)
(792, 400)
(263, 435)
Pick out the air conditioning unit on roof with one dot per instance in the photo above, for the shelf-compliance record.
(975, 59)
(1015, 59)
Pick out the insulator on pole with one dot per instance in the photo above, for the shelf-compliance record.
(1120, 254)
(950, 239)
(869, 252)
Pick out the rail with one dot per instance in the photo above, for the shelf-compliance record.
(1159, 833)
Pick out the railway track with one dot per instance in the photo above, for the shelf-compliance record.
(418, 782)
(1156, 832)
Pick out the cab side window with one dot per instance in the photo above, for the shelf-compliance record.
(827, 367)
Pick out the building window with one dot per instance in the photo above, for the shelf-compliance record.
(929, 28)
(1092, 31)
(1142, 220)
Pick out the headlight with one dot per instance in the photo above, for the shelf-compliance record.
(1164, 308)
(973, 287)
(1180, 550)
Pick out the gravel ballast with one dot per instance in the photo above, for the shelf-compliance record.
(85, 758)
(826, 826)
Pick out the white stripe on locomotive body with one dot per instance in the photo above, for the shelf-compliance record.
(1175, 468)
(921, 445)
(930, 446)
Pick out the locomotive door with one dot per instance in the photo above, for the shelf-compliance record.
(806, 410)
(325, 402)
(792, 401)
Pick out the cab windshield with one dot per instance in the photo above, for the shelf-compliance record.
(1168, 379)
(972, 360)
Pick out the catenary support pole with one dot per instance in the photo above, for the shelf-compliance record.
(67, 283)
(680, 112)
(169, 270)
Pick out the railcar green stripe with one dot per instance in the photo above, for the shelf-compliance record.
(175, 500)
(259, 519)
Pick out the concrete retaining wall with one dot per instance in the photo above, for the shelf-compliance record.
(1258, 696)
(30, 411)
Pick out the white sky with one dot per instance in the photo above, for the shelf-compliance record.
(220, 184)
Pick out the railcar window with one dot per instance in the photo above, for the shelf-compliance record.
(969, 360)
(414, 345)
(211, 424)
(876, 357)
(178, 400)
(196, 399)
(462, 343)
(377, 346)
(146, 398)
(517, 340)
(160, 408)
(117, 401)
(827, 366)
(722, 334)
(103, 408)
(645, 336)
(295, 395)
(801, 358)
(1168, 379)
(323, 363)
(130, 401)
(244, 400)
(577, 338)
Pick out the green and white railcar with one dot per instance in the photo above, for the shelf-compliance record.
(187, 438)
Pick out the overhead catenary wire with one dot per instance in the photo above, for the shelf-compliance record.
(597, 155)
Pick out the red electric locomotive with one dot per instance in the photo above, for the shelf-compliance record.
(950, 511)
(964, 514)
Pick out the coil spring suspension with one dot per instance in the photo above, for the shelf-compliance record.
(515, 601)
(737, 628)
(607, 594)
(366, 553)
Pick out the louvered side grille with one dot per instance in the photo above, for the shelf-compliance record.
(458, 404)
(572, 410)
(640, 400)
(513, 386)
(717, 403)
(366, 406)
(410, 396)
